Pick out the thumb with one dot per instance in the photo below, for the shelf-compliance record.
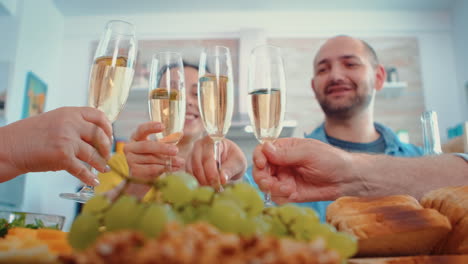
(285, 152)
(231, 169)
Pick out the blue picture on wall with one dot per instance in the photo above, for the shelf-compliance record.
(34, 96)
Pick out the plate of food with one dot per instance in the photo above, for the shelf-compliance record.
(9, 219)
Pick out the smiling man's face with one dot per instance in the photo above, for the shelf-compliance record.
(344, 77)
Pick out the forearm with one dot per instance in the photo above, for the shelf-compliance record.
(385, 175)
(7, 166)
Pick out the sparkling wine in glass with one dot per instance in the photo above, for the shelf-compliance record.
(267, 95)
(110, 79)
(166, 98)
(216, 96)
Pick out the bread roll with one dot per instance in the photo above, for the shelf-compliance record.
(389, 226)
(349, 205)
(453, 203)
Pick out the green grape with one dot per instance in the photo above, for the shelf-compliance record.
(203, 194)
(254, 226)
(226, 215)
(122, 214)
(248, 198)
(310, 214)
(155, 218)
(276, 226)
(311, 231)
(202, 213)
(345, 244)
(177, 188)
(188, 214)
(96, 205)
(84, 231)
(290, 213)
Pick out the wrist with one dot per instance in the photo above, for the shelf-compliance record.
(360, 166)
(8, 164)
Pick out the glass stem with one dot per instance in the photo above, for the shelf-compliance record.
(217, 156)
(169, 164)
(267, 195)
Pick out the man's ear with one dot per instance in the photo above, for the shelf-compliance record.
(380, 77)
(312, 85)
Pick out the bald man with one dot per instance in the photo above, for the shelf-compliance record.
(347, 74)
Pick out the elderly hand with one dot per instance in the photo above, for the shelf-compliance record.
(58, 140)
(202, 164)
(302, 170)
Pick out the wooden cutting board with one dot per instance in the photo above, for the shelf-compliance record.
(449, 259)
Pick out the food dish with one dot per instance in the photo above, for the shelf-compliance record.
(32, 220)
(384, 228)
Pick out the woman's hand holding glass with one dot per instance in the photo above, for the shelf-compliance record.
(203, 166)
(147, 158)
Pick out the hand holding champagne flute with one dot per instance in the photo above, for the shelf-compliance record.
(216, 96)
(166, 99)
(110, 79)
(267, 95)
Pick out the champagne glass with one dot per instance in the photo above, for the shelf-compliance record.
(110, 79)
(216, 96)
(166, 97)
(431, 136)
(267, 95)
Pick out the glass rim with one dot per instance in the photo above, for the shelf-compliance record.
(130, 30)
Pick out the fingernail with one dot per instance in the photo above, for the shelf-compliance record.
(260, 162)
(173, 149)
(264, 183)
(96, 181)
(225, 176)
(107, 168)
(293, 196)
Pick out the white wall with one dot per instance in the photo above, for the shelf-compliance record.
(40, 28)
(433, 30)
(8, 31)
(460, 37)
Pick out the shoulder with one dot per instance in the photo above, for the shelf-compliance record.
(394, 146)
(318, 133)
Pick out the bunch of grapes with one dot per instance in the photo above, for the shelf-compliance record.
(238, 209)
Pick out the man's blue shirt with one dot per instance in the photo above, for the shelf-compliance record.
(393, 147)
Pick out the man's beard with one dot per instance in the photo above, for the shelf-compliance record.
(346, 109)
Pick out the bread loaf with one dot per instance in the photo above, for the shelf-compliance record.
(350, 205)
(389, 226)
(453, 203)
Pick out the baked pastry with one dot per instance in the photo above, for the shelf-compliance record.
(453, 203)
(389, 226)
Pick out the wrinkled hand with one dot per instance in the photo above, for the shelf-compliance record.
(147, 158)
(302, 170)
(59, 140)
(202, 164)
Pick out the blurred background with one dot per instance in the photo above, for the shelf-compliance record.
(422, 43)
